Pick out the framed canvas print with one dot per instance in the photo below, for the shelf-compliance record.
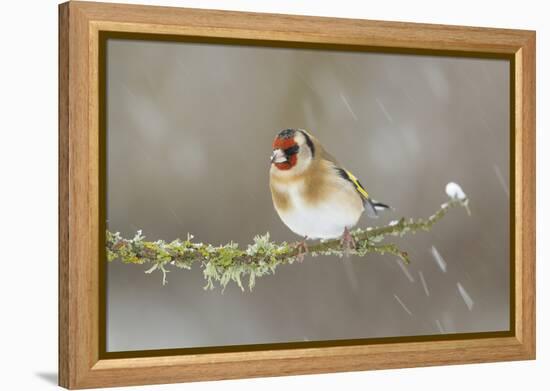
(248, 195)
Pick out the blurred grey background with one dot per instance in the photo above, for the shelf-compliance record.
(189, 137)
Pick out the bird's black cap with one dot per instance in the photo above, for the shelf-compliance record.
(286, 134)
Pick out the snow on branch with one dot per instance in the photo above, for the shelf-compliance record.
(225, 263)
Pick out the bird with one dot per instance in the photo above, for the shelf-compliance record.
(313, 194)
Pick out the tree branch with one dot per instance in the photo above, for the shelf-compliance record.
(226, 263)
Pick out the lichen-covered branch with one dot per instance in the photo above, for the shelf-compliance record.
(225, 263)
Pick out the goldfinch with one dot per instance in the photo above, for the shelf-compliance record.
(312, 193)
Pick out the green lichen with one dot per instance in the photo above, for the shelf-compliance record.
(225, 263)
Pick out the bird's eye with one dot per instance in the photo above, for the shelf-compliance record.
(292, 150)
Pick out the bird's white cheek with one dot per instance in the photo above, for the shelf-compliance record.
(304, 160)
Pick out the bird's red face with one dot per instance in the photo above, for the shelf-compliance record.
(285, 150)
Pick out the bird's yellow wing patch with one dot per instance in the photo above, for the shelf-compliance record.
(357, 184)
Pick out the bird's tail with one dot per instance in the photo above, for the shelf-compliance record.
(373, 207)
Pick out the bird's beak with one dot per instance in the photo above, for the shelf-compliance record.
(278, 156)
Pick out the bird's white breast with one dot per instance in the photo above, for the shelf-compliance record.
(324, 219)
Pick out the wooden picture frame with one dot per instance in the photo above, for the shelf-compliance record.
(82, 363)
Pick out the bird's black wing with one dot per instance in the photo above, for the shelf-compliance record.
(372, 207)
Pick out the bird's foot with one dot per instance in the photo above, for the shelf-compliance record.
(302, 249)
(347, 242)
